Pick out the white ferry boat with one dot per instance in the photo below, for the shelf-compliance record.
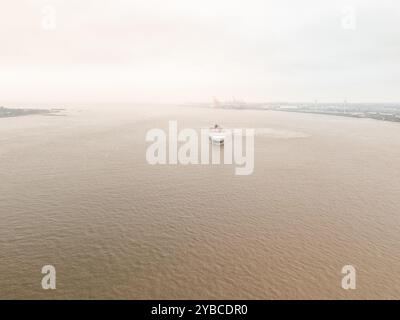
(217, 135)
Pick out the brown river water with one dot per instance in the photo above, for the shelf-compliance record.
(76, 192)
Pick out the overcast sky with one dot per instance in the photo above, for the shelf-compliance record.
(123, 51)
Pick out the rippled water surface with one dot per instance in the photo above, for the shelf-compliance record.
(76, 192)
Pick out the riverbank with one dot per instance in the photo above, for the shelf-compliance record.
(17, 112)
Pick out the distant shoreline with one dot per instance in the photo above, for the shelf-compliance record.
(372, 115)
(18, 112)
(382, 112)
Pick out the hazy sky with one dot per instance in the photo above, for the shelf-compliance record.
(116, 51)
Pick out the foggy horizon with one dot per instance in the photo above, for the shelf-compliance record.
(199, 158)
(150, 52)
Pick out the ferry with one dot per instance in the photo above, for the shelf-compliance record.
(217, 135)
